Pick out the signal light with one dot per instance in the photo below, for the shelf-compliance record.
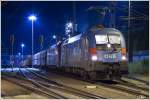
(123, 52)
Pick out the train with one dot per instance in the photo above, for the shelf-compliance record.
(97, 54)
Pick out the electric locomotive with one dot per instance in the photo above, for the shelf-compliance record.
(99, 53)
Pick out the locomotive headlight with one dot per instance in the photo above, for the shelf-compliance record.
(94, 57)
(108, 45)
(124, 58)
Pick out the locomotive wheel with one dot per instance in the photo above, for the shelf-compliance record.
(84, 75)
(110, 74)
(92, 75)
(116, 72)
(110, 77)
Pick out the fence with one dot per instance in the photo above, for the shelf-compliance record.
(16, 60)
(140, 55)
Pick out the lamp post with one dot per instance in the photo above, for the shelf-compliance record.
(22, 46)
(19, 59)
(32, 18)
(129, 48)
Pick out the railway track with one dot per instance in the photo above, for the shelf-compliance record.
(19, 81)
(123, 87)
(52, 84)
(126, 87)
(46, 84)
(39, 84)
(132, 85)
(133, 78)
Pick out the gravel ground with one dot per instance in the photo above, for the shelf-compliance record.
(12, 91)
(141, 77)
(100, 90)
(137, 82)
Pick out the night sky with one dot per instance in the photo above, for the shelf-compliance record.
(51, 19)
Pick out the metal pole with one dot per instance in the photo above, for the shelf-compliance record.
(129, 30)
(12, 50)
(32, 44)
(74, 17)
(12, 57)
(12, 43)
(112, 16)
(22, 55)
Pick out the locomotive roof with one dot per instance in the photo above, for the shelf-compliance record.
(95, 31)
(38, 53)
(53, 46)
(105, 31)
(72, 39)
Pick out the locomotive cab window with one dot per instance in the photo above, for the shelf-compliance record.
(114, 39)
(103, 41)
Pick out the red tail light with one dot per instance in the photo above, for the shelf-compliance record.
(92, 50)
(93, 54)
(123, 51)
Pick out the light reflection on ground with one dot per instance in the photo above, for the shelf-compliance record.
(17, 69)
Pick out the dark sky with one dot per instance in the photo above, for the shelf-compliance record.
(51, 19)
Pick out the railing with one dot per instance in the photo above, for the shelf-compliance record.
(140, 55)
(14, 60)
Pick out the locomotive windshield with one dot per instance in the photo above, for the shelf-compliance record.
(101, 39)
(104, 39)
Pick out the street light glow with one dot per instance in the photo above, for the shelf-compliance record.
(22, 45)
(70, 25)
(19, 53)
(54, 36)
(32, 17)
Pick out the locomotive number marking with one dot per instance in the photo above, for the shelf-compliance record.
(112, 56)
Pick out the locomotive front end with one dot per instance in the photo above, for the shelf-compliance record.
(109, 57)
